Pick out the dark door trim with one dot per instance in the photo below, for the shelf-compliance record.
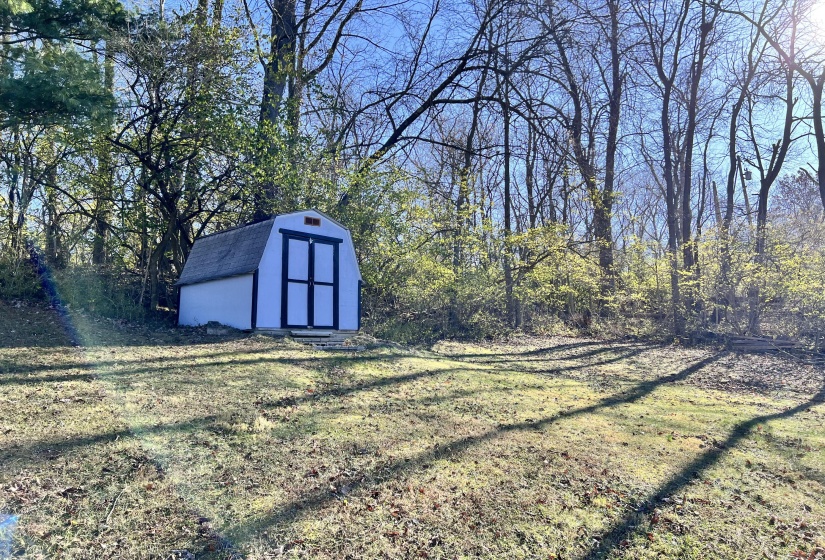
(312, 240)
(306, 235)
(254, 319)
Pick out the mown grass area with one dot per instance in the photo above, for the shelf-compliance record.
(167, 443)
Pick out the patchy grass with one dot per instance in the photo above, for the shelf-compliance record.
(166, 443)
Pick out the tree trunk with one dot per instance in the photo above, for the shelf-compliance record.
(819, 133)
(277, 72)
(672, 223)
(530, 177)
(778, 153)
(281, 57)
(603, 216)
(508, 254)
(54, 254)
(688, 247)
(14, 190)
(104, 178)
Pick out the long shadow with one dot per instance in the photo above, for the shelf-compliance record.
(10, 368)
(58, 446)
(350, 389)
(36, 380)
(14, 375)
(14, 368)
(377, 383)
(517, 358)
(10, 375)
(628, 525)
(536, 352)
(319, 498)
(64, 445)
(559, 371)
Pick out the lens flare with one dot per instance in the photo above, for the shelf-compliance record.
(817, 18)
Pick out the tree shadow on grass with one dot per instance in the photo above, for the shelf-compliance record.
(22, 378)
(15, 373)
(536, 352)
(317, 499)
(624, 355)
(382, 382)
(630, 524)
(56, 447)
(63, 445)
(537, 356)
(287, 513)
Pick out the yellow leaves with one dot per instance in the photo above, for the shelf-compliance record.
(17, 7)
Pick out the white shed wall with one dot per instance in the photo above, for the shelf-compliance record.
(348, 295)
(269, 271)
(227, 301)
(269, 283)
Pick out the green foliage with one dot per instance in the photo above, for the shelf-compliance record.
(64, 20)
(18, 279)
(184, 153)
(793, 280)
(44, 80)
(106, 293)
(51, 87)
(423, 299)
(562, 282)
(450, 284)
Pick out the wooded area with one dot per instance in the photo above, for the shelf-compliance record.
(502, 164)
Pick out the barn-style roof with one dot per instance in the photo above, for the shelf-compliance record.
(227, 253)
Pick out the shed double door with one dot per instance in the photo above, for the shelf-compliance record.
(309, 297)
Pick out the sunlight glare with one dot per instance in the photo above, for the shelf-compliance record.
(817, 17)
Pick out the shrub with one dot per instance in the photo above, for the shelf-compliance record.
(18, 279)
(99, 291)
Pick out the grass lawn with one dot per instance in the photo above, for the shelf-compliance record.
(170, 444)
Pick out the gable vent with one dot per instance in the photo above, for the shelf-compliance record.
(310, 221)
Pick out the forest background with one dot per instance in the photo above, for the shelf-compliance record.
(644, 167)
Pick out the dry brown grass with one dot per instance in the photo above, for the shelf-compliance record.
(164, 443)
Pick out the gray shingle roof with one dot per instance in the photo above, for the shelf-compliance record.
(227, 253)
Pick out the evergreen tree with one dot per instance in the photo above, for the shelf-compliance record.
(45, 77)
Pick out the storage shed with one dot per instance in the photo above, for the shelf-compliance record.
(292, 271)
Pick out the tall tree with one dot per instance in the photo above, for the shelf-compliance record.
(768, 165)
(663, 30)
(807, 62)
(103, 180)
(302, 41)
(596, 105)
(744, 77)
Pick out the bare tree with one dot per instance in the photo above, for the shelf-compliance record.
(744, 77)
(664, 35)
(807, 62)
(595, 108)
(769, 166)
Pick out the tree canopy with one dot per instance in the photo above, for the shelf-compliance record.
(502, 165)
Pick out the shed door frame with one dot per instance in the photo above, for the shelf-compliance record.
(310, 282)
